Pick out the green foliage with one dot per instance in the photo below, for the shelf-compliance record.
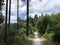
(56, 36)
(48, 36)
(48, 26)
(42, 24)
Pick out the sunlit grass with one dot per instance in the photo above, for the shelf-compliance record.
(39, 39)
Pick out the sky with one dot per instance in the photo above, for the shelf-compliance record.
(35, 7)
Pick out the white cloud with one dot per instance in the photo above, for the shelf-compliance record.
(13, 19)
(22, 9)
(35, 7)
(43, 6)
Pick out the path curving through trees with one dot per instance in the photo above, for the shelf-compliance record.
(40, 41)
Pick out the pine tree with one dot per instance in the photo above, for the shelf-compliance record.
(1, 17)
(1, 4)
